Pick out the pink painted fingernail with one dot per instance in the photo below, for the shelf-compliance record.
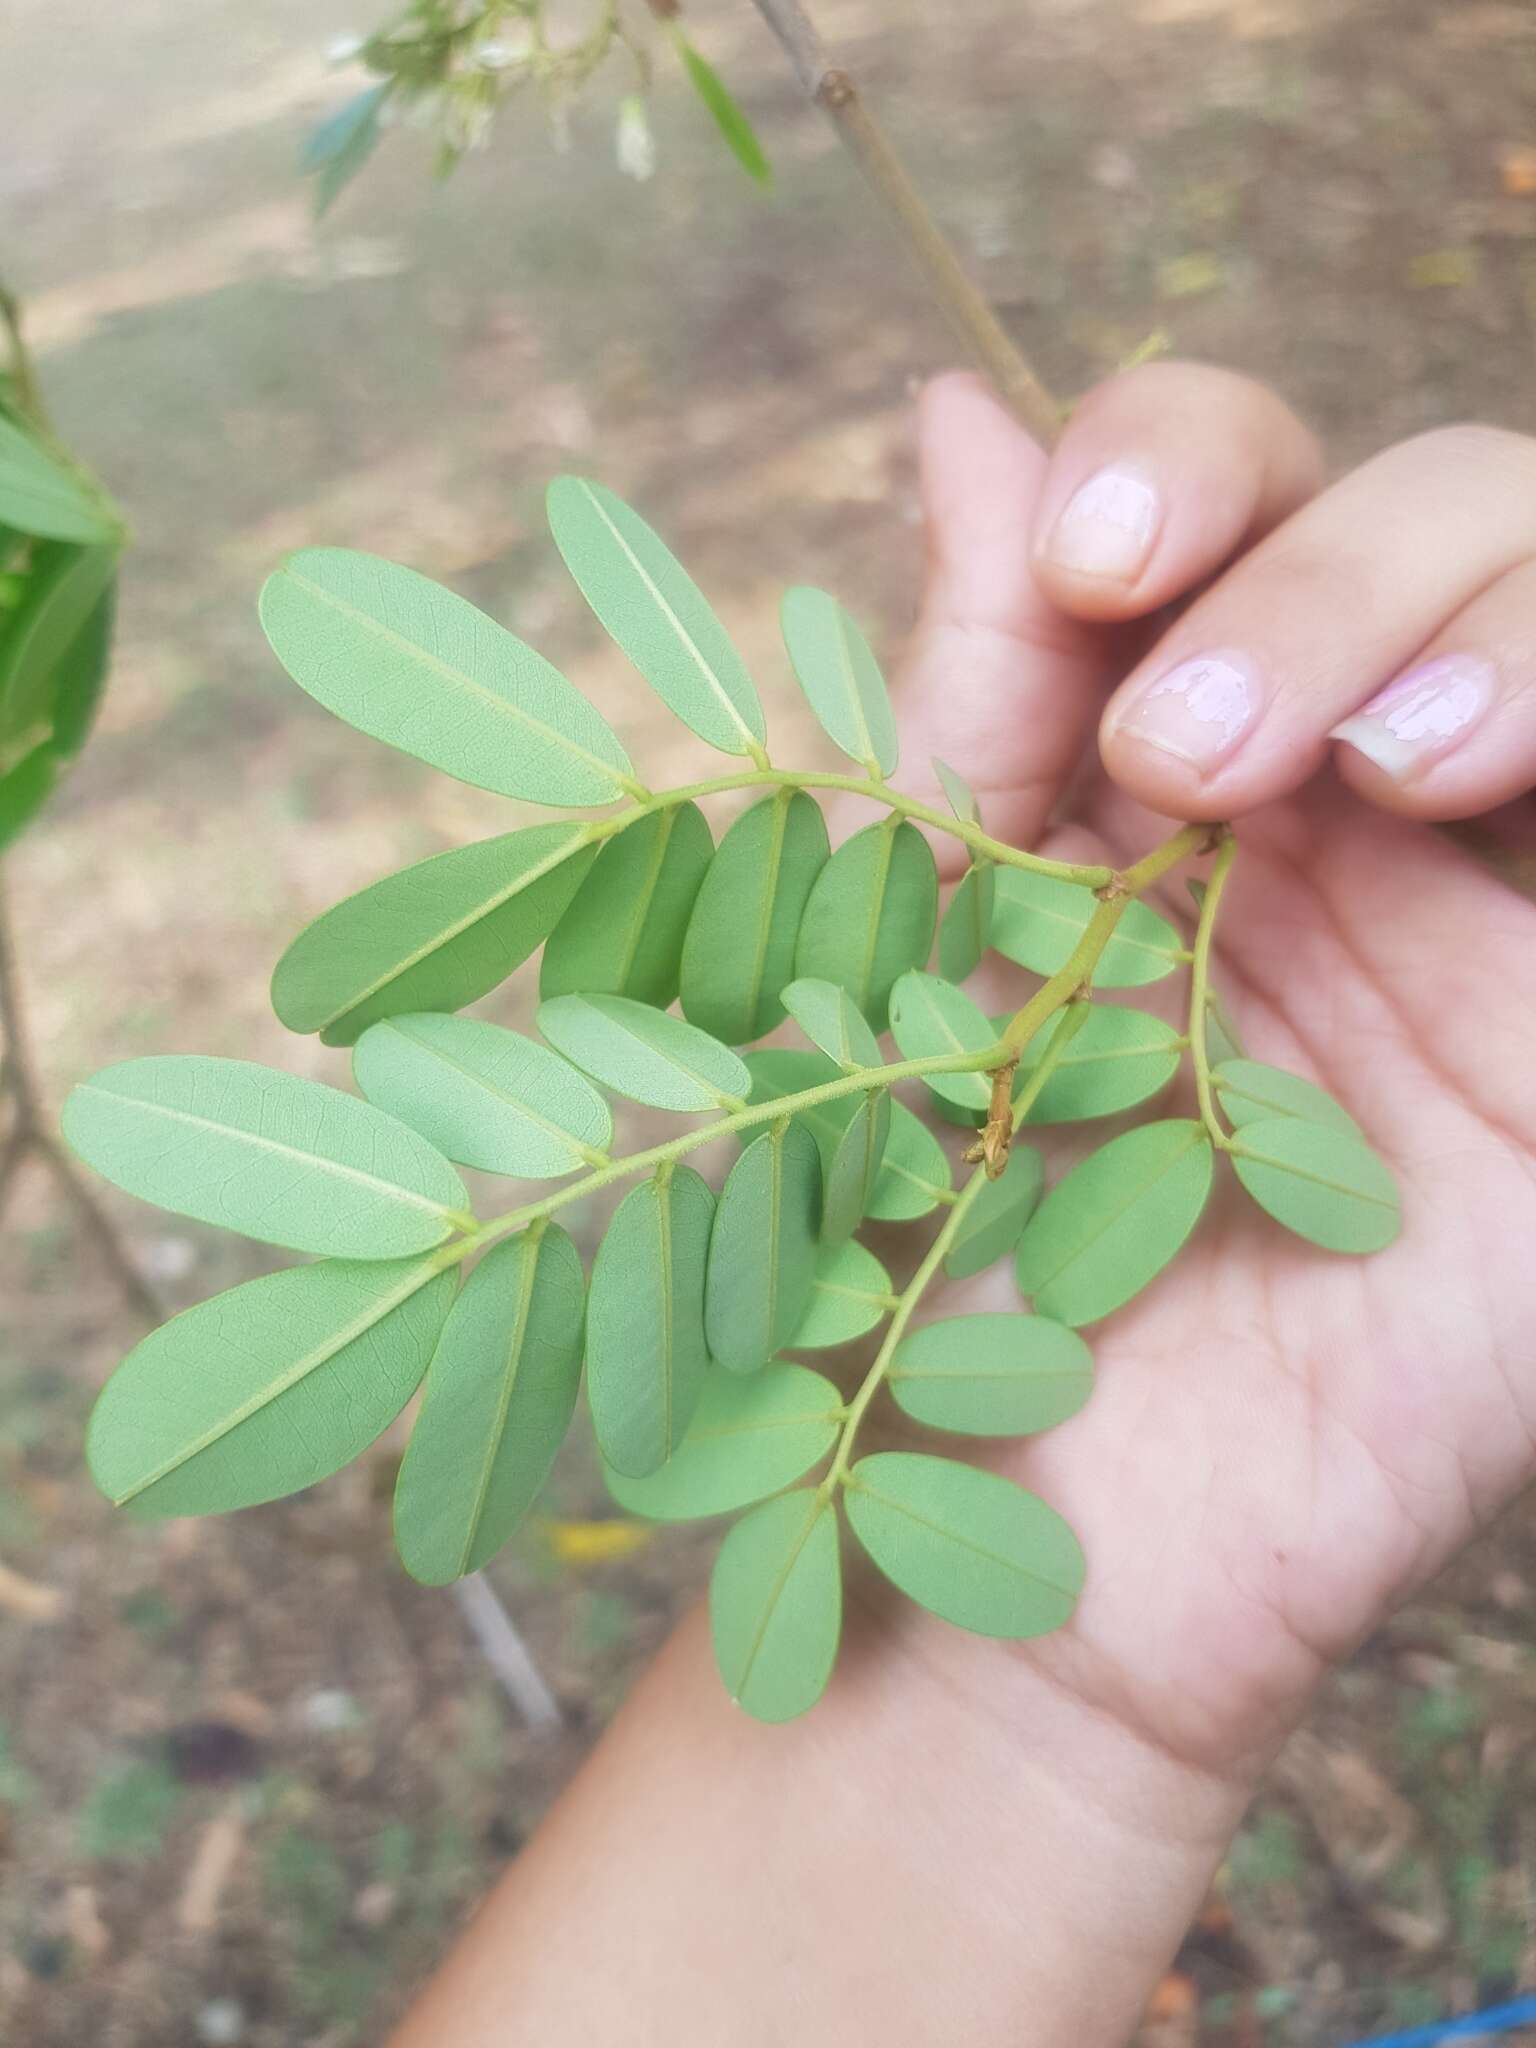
(1107, 527)
(1199, 712)
(1409, 725)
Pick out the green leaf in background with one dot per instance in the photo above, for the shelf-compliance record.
(871, 915)
(39, 496)
(342, 144)
(992, 1375)
(840, 677)
(1222, 1039)
(1118, 1057)
(739, 954)
(433, 937)
(762, 1254)
(646, 1355)
(931, 1016)
(500, 1392)
(63, 588)
(827, 1016)
(644, 1053)
(655, 611)
(1115, 1221)
(268, 1388)
(286, 1161)
(486, 1096)
(423, 670)
(965, 932)
(968, 1545)
(914, 1174)
(1037, 920)
(79, 678)
(958, 793)
(995, 1219)
(1250, 1093)
(740, 137)
(776, 1605)
(623, 934)
(748, 1438)
(850, 1295)
(853, 1173)
(1324, 1183)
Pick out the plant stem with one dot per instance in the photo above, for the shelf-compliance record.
(29, 395)
(1200, 986)
(832, 89)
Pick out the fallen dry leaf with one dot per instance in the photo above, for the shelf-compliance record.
(27, 1600)
(212, 1866)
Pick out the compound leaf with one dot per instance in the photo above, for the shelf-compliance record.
(853, 1172)
(655, 611)
(776, 1605)
(1324, 1183)
(422, 669)
(991, 1375)
(748, 1438)
(39, 496)
(738, 132)
(499, 1396)
(623, 933)
(739, 954)
(1037, 920)
(486, 1096)
(644, 1053)
(266, 1389)
(849, 1296)
(994, 1221)
(762, 1252)
(646, 1355)
(1117, 1058)
(1115, 1221)
(1250, 1092)
(841, 678)
(966, 930)
(871, 915)
(288, 1161)
(929, 1016)
(966, 1544)
(433, 937)
(829, 1020)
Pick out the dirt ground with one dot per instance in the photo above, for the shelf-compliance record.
(251, 1776)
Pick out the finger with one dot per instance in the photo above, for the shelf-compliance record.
(1161, 476)
(997, 682)
(1454, 734)
(1234, 705)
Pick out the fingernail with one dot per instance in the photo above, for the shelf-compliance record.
(1107, 527)
(1409, 725)
(1199, 712)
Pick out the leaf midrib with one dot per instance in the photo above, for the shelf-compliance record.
(493, 1442)
(1116, 1215)
(857, 1485)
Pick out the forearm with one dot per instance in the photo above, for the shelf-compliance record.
(917, 1861)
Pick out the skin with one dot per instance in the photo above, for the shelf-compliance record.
(1001, 1844)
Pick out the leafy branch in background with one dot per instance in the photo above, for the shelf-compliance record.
(702, 1301)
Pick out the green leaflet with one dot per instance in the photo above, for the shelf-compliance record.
(64, 587)
(995, 1219)
(78, 679)
(486, 1096)
(740, 950)
(853, 1173)
(1324, 1183)
(740, 137)
(849, 1296)
(776, 1605)
(343, 143)
(433, 937)
(840, 677)
(266, 1389)
(762, 1253)
(871, 914)
(748, 1438)
(623, 933)
(644, 1053)
(1037, 920)
(1221, 1034)
(1117, 1058)
(914, 1174)
(39, 496)
(992, 1375)
(966, 1544)
(966, 930)
(930, 1016)
(1251, 1093)
(958, 793)
(655, 611)
(422, 669)
(829, 1020)
(1115, 1221)
(646, 1355)
(287, 1161)
(500, 1392)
